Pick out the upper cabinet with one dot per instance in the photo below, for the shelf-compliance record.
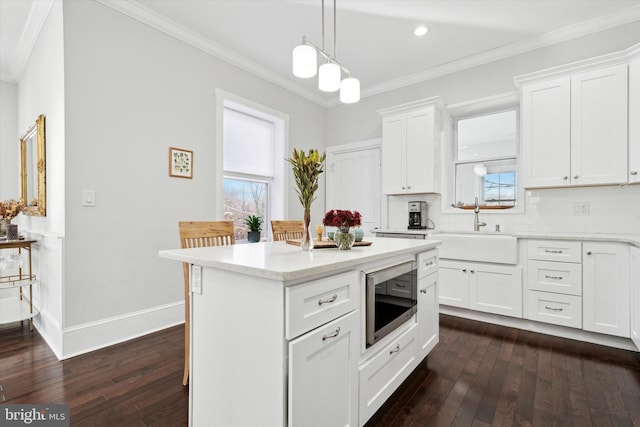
(411, 148)
(574, 129)
(634, 121)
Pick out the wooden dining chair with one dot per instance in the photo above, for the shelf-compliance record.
(283, 230)
(197, 234)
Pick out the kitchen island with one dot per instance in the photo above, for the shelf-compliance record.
(278, 334)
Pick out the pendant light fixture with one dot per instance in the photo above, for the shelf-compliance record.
(329, 73)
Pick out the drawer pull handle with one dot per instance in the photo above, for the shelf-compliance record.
(328, 300)
(575, 177)
(552, 251)
(634, 173)
(565, 177)
(398, 285)
(553, 277)
(333, 335)
(588, 252)
(472, 271)
(395, 350)
(428, 264)
(553, 308)
(464, 270)
(424, 291)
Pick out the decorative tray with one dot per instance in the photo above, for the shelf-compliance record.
(326, 243)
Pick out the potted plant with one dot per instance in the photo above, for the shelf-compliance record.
(307, 168)
(254, 222)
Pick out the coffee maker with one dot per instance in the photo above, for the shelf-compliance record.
(417, 215)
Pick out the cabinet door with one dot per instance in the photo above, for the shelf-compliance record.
(454, 283)
(635, 296)
(605, 287)
(428, 315)
(496, 289)
(599, 126)
(420, 155)
(323, 375)
(394, 153)
(634, 122)
(546, 133)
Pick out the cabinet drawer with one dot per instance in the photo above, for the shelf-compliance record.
(312, 304)
(384, 372)
(559, 309)
(554, 250)
(558, 277)
(427, 263)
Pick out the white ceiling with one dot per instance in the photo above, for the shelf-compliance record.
(374, 37)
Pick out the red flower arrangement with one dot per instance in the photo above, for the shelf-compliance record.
(342, 218)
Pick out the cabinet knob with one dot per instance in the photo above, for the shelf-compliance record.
(565, 177)
(423, 291)
(575, 176)
(472, 271)
(633, 173)
(408, 187)
(403, 188)
(464, 270)
(588, 252)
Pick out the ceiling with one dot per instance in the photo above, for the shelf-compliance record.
(374, 37)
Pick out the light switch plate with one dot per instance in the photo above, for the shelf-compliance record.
(88, 198)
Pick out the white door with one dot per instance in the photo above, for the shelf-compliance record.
(496, 289)
(599, 126)
(454, 283)
(353, 183)
(394, 150)
(634, 123)
(428, 315)
(635, 296)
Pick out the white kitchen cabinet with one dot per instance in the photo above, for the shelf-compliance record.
(385, 371)
(323, 375)
(490, 288)
(410, 148)
(574, 129)
(428, 315)
(605, 288)
(635, 295)
(634, 121)
(546, 133)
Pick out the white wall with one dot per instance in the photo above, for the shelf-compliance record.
(131, 93)
(545, 210)
(41, 91)
(9, 142)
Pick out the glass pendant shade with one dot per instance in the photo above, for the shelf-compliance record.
(480, 169)
(305, 62)
(350, 90)
(329, 77)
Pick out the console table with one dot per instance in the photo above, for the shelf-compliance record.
(21, 307)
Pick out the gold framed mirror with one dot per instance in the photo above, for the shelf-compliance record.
(33, 169)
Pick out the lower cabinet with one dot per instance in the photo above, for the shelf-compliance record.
(323, 374)
(489, 288)
(384, 372)
(605, 287)
(635, 295)
(428, 315)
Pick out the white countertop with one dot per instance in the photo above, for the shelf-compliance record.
(284, 262)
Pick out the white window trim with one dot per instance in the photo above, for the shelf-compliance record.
(277, 190)
(462, 110)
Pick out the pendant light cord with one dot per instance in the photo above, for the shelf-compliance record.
(334, 29)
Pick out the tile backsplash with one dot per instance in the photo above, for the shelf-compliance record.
(609, 210)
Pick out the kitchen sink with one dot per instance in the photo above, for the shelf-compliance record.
(478, 246)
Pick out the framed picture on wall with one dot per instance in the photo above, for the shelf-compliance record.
(180, 162)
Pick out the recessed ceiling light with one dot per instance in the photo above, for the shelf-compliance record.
(421, 30)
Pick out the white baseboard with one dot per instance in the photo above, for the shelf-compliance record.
(542, 328)
(50, 330)
(92, 336)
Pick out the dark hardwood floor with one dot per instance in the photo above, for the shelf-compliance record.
(479, 375)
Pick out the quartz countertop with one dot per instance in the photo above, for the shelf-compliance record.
(285, 262)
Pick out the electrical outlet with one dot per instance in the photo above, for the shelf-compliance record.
(196, 279)
(580, 209)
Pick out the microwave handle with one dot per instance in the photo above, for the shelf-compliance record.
(381, 276)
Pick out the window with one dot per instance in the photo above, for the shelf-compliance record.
(253, 147)
(486, 159)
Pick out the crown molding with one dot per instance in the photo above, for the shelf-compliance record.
(30, 33)
(595, 25)
(413, 105)
(159, 22)
(141, 13)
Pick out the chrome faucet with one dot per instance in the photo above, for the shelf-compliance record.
(476, 223)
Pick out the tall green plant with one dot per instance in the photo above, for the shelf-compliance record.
(306, 170)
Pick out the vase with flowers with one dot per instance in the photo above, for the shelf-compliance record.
(307, 168)
(344, 237)
(9, 209)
